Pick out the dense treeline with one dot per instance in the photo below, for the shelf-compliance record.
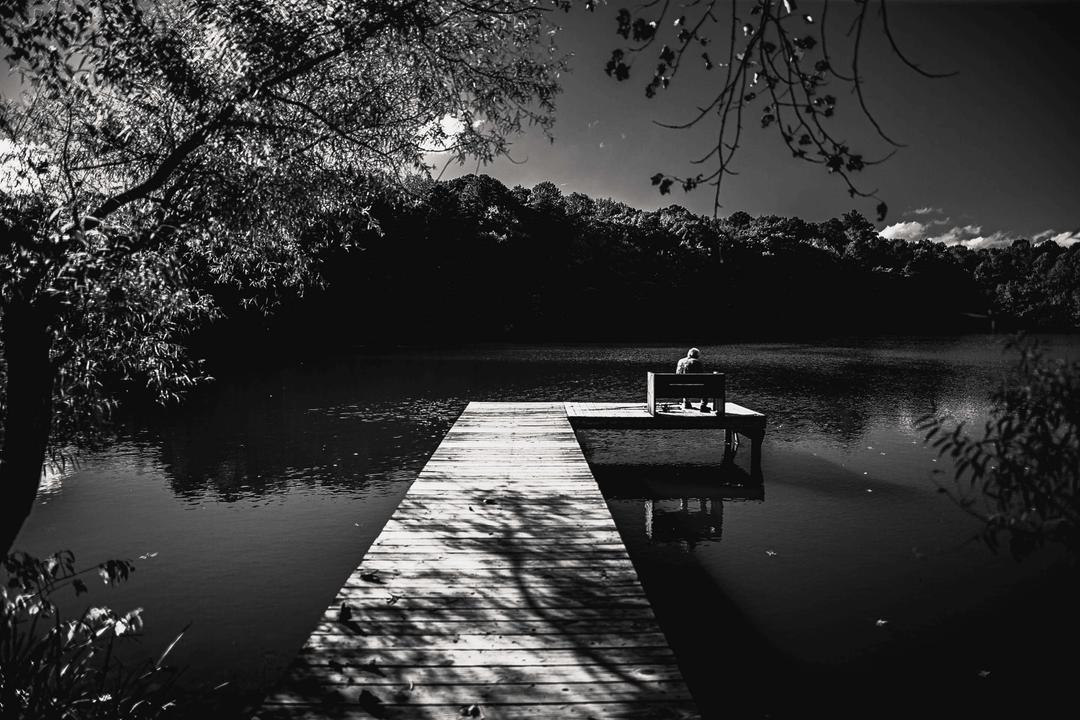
(470, 259)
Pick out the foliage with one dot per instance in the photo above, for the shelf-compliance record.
(54, 668)
(1022, 476)
(772, 63)
(162, 148)
(117, 320)
(528, 263)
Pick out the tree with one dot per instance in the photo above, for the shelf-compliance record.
(774, 64)
(160, 147)
(1021, 478)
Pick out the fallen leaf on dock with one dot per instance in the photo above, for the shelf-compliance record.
(372, 576)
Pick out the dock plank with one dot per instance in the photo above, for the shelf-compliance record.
(499, 588)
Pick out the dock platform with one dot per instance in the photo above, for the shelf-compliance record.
(672, 416)
(500, 588)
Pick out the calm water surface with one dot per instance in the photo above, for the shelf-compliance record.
(845, 584)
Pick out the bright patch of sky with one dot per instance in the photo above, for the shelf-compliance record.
(16, 175)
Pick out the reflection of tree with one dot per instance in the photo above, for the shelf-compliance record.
(236, 449)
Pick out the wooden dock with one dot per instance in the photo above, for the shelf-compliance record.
(672, 416)
(500, 588)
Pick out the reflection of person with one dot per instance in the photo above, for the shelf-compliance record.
(692, 363)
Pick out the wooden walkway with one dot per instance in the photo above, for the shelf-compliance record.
(500, 588)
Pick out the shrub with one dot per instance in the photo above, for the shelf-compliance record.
(1021, 477)
(55, 668)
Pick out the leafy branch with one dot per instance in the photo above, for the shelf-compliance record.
(1021, 478)
(781, 58)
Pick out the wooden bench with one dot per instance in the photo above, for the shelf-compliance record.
(694, 386)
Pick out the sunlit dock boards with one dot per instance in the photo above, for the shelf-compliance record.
(500, 588)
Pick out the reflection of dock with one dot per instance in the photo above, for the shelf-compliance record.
(684, 519)
(635, 416)
(499, 588)
(684, 505)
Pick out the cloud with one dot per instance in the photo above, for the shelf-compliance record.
(970, 236)
(904, 231)
(957, 234)
(1064, 239)
(439, 136)
(993, 240)
(451, 125)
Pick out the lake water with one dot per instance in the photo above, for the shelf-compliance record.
(845, 584)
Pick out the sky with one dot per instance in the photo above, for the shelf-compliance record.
(990, 154)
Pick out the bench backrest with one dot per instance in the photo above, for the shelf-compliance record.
(689, 385)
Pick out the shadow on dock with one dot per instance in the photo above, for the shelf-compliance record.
(556, 622)
(500, 588)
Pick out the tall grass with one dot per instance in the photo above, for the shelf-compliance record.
(52, 668)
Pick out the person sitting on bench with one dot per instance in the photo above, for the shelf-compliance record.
(692, 363)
